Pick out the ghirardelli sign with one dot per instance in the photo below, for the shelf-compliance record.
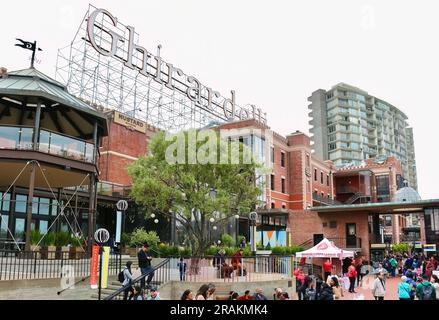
(165, 73)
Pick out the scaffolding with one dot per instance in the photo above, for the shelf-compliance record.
(107, 83)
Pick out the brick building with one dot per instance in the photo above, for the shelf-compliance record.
(298, 193)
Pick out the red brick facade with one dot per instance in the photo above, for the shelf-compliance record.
(122, 146)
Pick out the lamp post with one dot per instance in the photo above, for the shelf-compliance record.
(101, 236)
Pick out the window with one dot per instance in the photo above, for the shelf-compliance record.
(272, 182)
(273, 205)
(4, 227)
(282, 159)
(283, 185)
(20, 203)
(315, 174)
(333, 224)
(308, 186)
(332, 146)
(283, 207)
(331, 128)
(44, 206)
(321, 177)
(388, 221)
(307, 160)
(19, 229)
(54, 207)
(43, 226)
(272, 154)
(327, 180)
(5, 201)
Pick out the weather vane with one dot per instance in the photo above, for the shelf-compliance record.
(30, 46)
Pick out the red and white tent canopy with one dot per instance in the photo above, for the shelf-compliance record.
(325, 249)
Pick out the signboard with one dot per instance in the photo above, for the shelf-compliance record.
(112, 39)
(94, 267)
(105, 264)
(129, 122)
(429, 247)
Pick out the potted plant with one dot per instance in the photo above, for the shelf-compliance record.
(49, 249)
(75, 250)
(35, 238)
(62, 245)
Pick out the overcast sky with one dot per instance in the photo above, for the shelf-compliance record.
(274, 54)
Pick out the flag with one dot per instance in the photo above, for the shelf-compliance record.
(27, 45)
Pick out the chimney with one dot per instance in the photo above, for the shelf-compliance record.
(3, 71)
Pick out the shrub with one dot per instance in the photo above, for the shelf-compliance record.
(76, 241)
(184, 252)
(35, 237)
(401, 248)
(140, 236)
(125, 239)
(212, 250)
(247, 252)
(278, 250)
(62, 239)
(227, 240)
(49, 239)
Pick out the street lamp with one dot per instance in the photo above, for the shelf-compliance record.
(156, 221)
(152, 215)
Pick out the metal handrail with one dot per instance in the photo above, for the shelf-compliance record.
(143, 276)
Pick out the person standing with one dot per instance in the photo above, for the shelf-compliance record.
(327, 268)
(379, 287)
(337, 290)
(128, 279)
(352, 275)
(404, 289)
(435, 283)
(393, 264)
(319, 283)
(182, 268)
(425, 290)
(145, 258)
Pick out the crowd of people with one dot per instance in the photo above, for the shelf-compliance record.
(417, 279)
(208, 292)
(415, 271)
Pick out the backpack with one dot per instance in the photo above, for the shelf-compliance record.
(121, 276)
(310, 294)
(427, 292)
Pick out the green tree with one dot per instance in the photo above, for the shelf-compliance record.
(167, 186)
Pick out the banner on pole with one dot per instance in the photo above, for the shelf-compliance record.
(105, 265)
(118, 226)
(94, 267)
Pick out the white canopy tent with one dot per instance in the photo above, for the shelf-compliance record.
(325, 249)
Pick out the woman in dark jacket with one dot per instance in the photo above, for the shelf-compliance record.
(306, 284)
(319, 283)
(326, 292)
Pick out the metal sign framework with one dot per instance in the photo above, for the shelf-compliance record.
(107, 83)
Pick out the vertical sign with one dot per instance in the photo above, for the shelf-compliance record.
(94, 267)
(118, 226)
(105, 264)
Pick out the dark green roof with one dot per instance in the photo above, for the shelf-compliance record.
(33, 83)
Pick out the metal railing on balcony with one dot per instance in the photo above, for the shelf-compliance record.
(325, 200)
(113, 190)
(21, 138)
